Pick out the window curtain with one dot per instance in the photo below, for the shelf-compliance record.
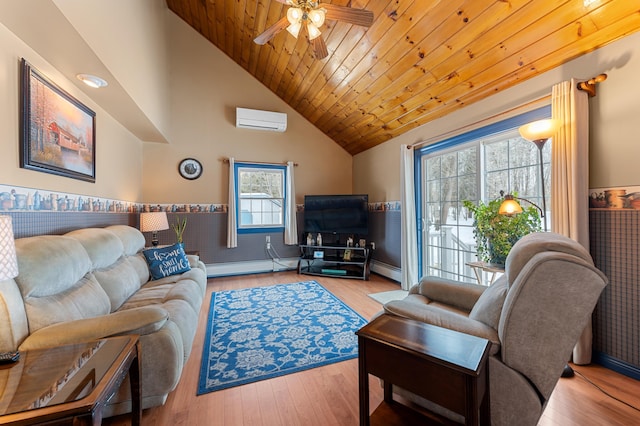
(290, 224)
(409, 249)
(232, 230)
(570, 179)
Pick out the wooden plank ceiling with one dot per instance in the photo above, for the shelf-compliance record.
(420, 60)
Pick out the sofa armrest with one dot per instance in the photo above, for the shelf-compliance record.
(449, 292)
(141, 321)
(195, 262)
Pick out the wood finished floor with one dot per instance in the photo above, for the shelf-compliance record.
(328, 395)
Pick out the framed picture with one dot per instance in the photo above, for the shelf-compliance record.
(57, 132)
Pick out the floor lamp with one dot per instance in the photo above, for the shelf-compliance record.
(539, 132)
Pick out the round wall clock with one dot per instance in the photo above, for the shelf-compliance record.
(190, 168)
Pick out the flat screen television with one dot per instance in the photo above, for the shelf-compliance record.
(336, 214)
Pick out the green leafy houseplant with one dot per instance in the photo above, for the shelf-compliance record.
(495, 234)
(178, 227)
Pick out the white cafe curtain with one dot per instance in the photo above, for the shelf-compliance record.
(570, 178)
(232, 231)
(290, 223)
(409, 231)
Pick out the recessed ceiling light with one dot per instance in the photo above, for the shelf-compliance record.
(92, 80)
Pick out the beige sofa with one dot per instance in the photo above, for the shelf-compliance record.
(93, 283)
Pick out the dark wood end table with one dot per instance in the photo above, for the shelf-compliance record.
(70, 384)
(444, 366)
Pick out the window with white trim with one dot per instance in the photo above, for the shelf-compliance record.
(474, 166)
(260, 197)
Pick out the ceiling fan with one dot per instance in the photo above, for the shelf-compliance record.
(310, 15)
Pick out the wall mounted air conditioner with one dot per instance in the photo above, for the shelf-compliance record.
(261, 120)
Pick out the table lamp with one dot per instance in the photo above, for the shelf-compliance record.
(8, 260)
(153, 222)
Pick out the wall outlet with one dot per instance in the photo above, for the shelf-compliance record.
(268, 241)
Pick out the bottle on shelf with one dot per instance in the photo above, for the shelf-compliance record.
(319, 239)
(309, 239)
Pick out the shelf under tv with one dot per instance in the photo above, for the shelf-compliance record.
(335, 261)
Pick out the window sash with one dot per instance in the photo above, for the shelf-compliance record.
(260, 197)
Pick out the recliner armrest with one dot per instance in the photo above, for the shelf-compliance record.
(449, 292)
(443, 318)
(141, 321)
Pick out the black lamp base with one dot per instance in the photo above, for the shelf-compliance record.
(154, 239)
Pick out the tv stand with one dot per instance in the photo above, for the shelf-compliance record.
(335, 261)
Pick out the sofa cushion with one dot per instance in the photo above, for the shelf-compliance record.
(119, 281)
(166, 261)
(489, 306)
(86, 299)
(132, 239)
(139, 263)
(102, 246)
(49, 264)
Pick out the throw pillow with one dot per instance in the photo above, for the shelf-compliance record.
(165, 261)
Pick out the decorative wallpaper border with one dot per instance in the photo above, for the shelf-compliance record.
(627, 197)
(21, 199)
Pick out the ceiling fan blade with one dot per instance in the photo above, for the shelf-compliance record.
(319, 48)
(270, 32)
(349, 15)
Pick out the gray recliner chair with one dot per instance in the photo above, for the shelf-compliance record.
(533, 315)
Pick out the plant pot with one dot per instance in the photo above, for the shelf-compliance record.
(496, 258)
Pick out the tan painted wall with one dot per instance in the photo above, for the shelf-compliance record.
(614, 147)
(118, 152)
(133, 45)
(206, 87)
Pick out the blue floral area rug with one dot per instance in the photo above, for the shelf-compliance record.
(258, 333)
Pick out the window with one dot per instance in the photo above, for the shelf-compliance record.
(474, 166)
(260, 197)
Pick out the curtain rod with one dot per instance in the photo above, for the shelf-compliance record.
(226, 161)
(485, 121)
(589, 86)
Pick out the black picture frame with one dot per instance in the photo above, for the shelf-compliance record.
(57, 132)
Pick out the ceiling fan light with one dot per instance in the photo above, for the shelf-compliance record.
(313, 31)
(294, 15)
(294, 29)
(317, 17)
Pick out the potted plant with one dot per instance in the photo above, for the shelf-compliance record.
(179, 227)
(495, 234)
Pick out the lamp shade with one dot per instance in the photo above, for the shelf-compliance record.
(294, 15)
(509, 206)
(313, 31)
(153, 222)
(294, 29)
(538, 130)
(8, 260)
(317, 17)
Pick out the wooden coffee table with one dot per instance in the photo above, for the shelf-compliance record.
(444, 366)
(70, 383)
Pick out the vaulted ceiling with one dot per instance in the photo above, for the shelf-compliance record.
(420, 60)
